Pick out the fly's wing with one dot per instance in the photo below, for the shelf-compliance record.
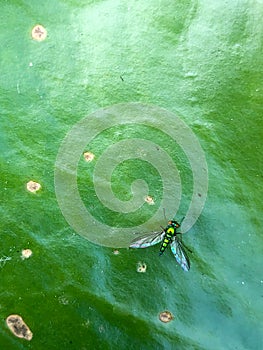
(180, 254)
(147, 240)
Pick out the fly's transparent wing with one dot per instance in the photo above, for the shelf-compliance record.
(147, 240)
(180, 254)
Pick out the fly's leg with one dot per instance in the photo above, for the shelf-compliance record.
(182, 220)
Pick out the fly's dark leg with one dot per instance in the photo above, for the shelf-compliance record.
(182, 220)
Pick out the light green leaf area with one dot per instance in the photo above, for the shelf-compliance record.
(201, 61)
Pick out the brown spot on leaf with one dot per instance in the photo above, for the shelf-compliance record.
(166, 316)
(141, 267)
(18, 327)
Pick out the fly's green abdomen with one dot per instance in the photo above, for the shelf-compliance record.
(169, 234)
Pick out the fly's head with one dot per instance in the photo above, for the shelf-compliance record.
(174, 224)
(171, 227)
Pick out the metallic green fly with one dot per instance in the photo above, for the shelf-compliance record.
(168, 236)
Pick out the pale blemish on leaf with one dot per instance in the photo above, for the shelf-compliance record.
(149, 200)
(88, 156)
(26, 253)
(33, 186)
(39, 33)
(4, 259)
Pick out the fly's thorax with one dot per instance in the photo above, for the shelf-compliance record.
(170, 231)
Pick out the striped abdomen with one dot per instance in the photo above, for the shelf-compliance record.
(170, 232)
